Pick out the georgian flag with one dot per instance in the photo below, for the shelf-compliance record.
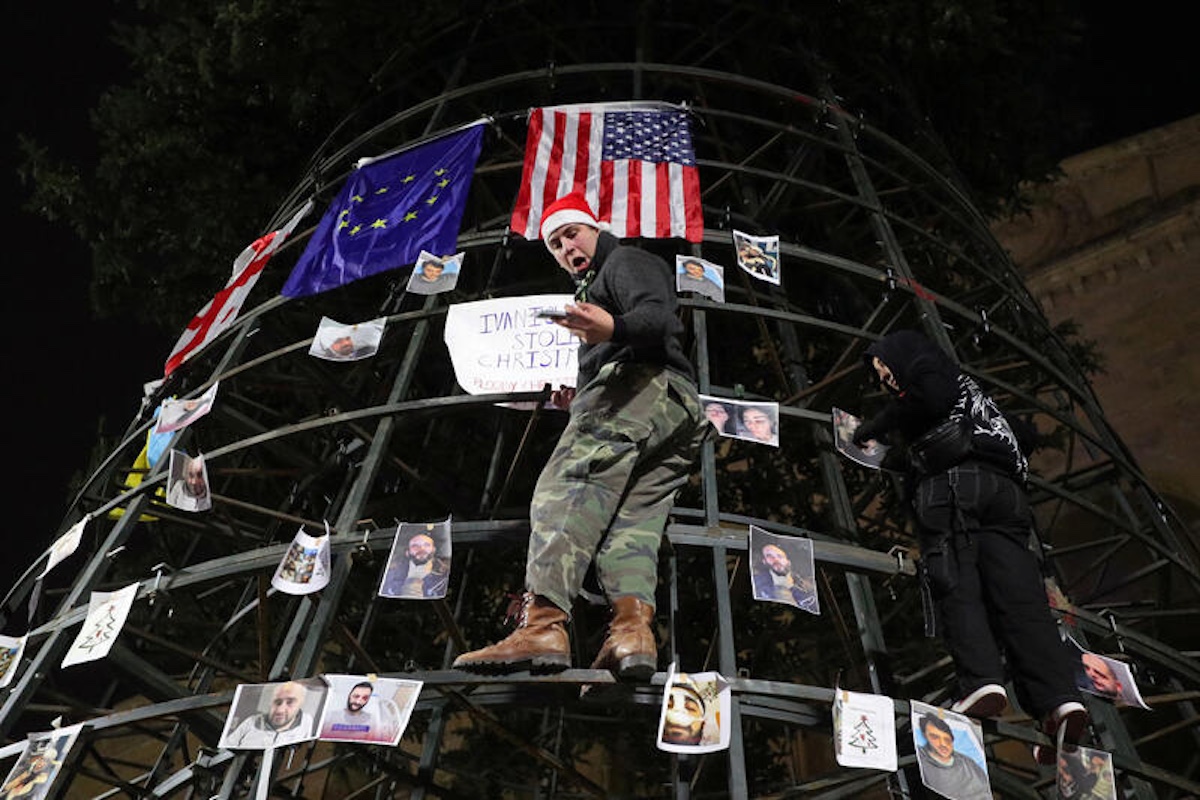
(222, 311)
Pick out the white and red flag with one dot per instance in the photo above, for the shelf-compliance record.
(222, 311)
(634, 162)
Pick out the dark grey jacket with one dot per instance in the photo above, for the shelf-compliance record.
(638, 289)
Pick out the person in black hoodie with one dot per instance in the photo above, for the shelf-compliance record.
(973, 524)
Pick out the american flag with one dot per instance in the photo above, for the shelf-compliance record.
(634, 163)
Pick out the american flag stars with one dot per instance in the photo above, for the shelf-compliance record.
(648, 136)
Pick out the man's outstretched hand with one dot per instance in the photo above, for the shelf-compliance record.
(589, 322)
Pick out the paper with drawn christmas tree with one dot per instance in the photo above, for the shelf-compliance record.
(106, 616)
(864, 730)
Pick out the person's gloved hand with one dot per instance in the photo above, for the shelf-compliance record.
(864, 433)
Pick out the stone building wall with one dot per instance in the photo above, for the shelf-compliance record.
(1115, 246)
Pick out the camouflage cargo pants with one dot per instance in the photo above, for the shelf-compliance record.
(605, 493)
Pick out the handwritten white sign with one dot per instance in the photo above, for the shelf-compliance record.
(503, 345)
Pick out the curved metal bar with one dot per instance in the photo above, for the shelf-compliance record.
(318, 475)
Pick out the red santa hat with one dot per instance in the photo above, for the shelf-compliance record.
(568, 209)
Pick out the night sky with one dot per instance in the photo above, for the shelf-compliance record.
(68, 376)
(63, 372)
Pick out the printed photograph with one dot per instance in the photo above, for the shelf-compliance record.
(1086, 774)
(335, 341)
(435, 274)
(176, 414)
(702, 277)
(11, 650)
(269, 715)
(949, 753)
(844, 425)
(721, 414)
(418, 567)
(368, 711)
(32, 777)
(758, 255)
(782, 570)
(694, 710)
(304, 568)
(187, 480)
(739, 419)
(1106, 677)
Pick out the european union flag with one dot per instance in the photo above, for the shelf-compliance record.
(388, 212)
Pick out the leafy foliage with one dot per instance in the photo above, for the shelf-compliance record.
(228, 102)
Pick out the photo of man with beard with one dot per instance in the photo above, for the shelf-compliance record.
(284, 721)
(783, 570)
(684, 721)
(692, 717)
(419, 569)
(363, 718)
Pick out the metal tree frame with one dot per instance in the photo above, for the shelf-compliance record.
(874, 238)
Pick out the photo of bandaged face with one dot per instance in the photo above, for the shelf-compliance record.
(335, 341)
(695, 713)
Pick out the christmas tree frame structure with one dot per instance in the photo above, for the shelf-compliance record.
(874, 237)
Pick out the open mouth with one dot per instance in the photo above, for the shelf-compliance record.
(579, 262)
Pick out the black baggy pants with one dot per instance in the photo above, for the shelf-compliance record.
(974, 527)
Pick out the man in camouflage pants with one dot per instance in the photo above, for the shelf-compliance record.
(635, 427)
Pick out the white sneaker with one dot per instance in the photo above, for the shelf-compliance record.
(1066, 723)
(989, 700)
(1045, 754)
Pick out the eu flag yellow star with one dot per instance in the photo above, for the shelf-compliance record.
(390, 209)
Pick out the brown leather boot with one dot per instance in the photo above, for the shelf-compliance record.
(539, 644)
(629, 650)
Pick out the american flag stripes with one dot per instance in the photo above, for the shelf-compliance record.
(634, 162)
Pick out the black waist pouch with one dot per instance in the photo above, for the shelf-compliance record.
(941, 447)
